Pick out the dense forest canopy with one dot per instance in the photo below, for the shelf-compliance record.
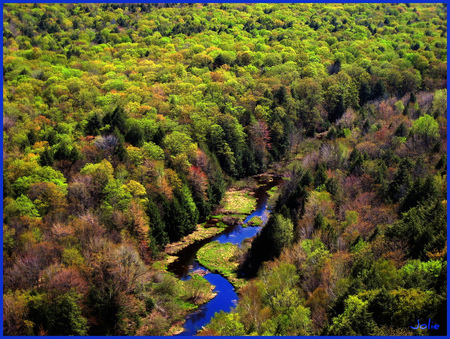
(124, 124)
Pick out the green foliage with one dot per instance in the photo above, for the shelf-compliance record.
(124, 124)
(440, 102)
(426, 129)
(227, 324)
(19, 207)
(356, 319)
(153, 151)
(116, 119)
(276, 235)
(424, 275)
(177, 142)
(422, 191)
(321, 176)
(72, 256)
(424, 228)
(60, 315)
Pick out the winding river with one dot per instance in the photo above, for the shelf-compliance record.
(186, 263)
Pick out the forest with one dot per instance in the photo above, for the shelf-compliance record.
(126, 125)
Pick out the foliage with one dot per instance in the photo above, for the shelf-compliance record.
(125, 124)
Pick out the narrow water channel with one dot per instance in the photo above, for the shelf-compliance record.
(186, 263)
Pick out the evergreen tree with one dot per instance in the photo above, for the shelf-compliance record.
(321, 175)
(338, 110)
(46, 158)
(93, 125)
(116, 119)
(156, 224)
(379, 90)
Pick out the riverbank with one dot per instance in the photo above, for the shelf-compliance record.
(235, 206)
(224, 260)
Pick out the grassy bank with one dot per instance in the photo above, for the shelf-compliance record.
(222, 259)
(238, 202)
(200, 233)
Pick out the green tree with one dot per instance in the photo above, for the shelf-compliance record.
(426, 129)
(276, 235)
(424, 228)
(93, 125)
(227, 324)
(355, 320)
(116, 119)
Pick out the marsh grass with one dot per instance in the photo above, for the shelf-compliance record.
(222, 259)
(200, 233)
(238, 202)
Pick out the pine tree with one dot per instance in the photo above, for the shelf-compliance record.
(46, 157)
(157, 225)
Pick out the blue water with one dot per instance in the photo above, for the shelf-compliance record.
(225, 300)
(240, 233)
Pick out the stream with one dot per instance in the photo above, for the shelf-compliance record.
(186, 263)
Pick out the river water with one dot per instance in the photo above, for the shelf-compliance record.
(186, 263)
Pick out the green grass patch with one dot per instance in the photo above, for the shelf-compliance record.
(238, 202)
(222, 259)
(255, 221)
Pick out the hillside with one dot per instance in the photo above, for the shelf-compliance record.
(124, 125)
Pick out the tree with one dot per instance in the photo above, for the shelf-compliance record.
(426, 129)
(198, 181)
(402, 181)
(157, 225)
(116, 272)
(219, 61)
(439, 102)
(422, 191)
(177, 142)
(356, 319)
(47, 157)
(20, 207)
(116, 119)
(153, 151)
(338, 110)
(379, 90)
(93, 125)
(310, 98)
(222, 149)
(135, 135)
(276, 235)
(424, 229)
(260, 139)
(321, 175)
(65, 316)
(227, 324)
(47, 197)
(15, 314)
